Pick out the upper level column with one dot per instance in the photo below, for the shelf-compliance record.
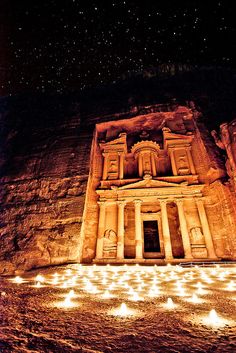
(206, 229)
(184, 230)
(166, 230)
(120, 243)
(121, 165)
(138, 230)
(190, 159)
(172, 160)
(101, 230)
(105, 161)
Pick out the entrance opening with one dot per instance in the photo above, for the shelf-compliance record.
(151, 236)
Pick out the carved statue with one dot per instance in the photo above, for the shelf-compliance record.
(110, 243)
(197, 236)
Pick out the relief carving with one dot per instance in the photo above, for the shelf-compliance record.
(113, 172)
(197, 238)
(182, 162)
(109, 244)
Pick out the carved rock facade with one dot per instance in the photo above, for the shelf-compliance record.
(148, 186)
(155, 193)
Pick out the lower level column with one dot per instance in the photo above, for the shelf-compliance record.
(138, 230)
(206, 229)
(184, 230)
(121, 233)
(101, 230)
(166, 231)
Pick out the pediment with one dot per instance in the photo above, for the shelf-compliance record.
(149, 183)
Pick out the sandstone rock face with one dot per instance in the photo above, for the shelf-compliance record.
(45, 170)
(42, 193)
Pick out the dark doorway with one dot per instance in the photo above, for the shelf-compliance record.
(151, 236)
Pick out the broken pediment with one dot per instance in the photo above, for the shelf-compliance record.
(173, 139)
(118, 144)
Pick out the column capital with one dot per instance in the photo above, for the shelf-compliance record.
(121, 203)
(179, 201)
(199, 201)
(137, 202)
(101, 203)
(163, 201)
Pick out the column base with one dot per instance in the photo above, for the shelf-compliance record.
(188, 257)
(168, 258)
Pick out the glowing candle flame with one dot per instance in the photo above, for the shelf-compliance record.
(55, 280)
(39, 278)
(213, 319)
(131, 291)
(213, 315)
(107, 295)
(93, 290)
(112, 286)
(18, 279)
(170, 304)
(67, 302)
(195, 299)
(231, 286)
(123, 310)
(181, 292)
(65, 285)
(135, 297)
(104, 281)
(71, 293)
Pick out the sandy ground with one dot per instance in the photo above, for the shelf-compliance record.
(35, 319)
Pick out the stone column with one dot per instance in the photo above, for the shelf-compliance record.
(105, 160)
(121, 166)
(101, 230)
(206, 229)
(190, 160)
(138, 230)
(140, 165)
(120, 243)
(184, 230)
(166, 231)
(153, 163)
(172, 159)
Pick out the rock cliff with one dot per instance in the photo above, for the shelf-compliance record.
(45, 154)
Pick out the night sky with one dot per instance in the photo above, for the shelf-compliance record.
(47, 46)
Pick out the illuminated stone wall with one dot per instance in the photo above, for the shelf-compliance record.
(203, 166)
(49, 211)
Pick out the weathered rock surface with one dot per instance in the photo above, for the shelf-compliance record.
(43, 185)
(45, 154)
